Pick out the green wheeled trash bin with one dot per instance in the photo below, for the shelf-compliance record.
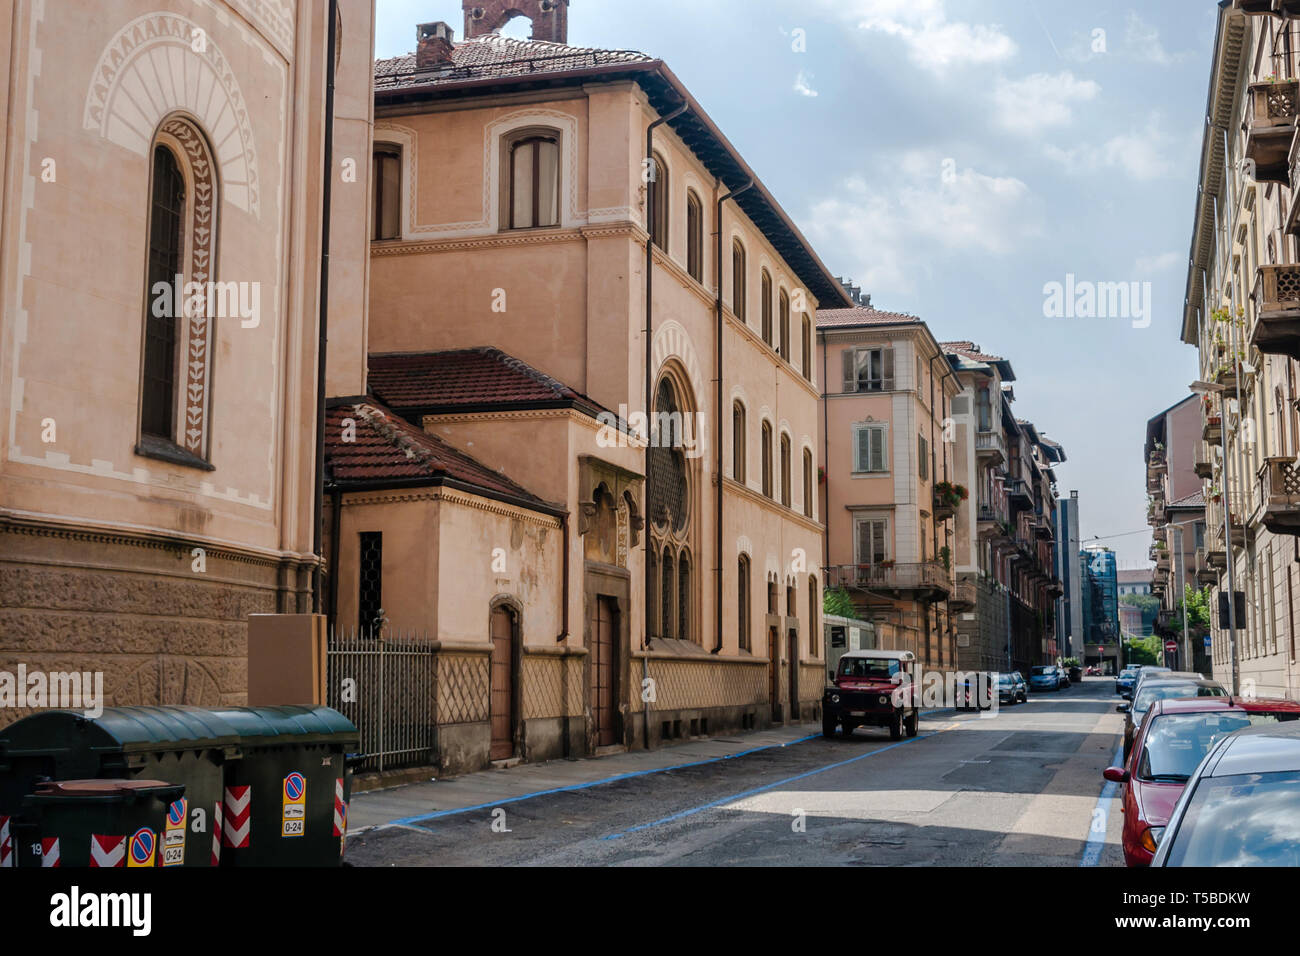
(189, 746)
(286, 798)
(99, 823)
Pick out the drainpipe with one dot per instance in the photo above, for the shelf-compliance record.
(717, 518)
(318, 502)
(649, 395)
(564, 582)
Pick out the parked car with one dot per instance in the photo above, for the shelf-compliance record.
(1045, 677)
(1148, 671)
(1171, 741)
(1012, 688)
(1125, 678)
(873, 689)
(1150, 691)
(1241, 807)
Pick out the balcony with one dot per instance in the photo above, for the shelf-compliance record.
(923, 581)
(1270, 129)
(947, 498)
(1162, 559)
(1226, 375)
(962, 597)
(1282, 8)
(1042, 526)
(1205, 574)
(1213, 429)
(1280, 491)
(1238, 530)
(990, 446)
(1216, 558)
(1018, 496)
(1203, 467)
(1277, 307)
(1156, 463)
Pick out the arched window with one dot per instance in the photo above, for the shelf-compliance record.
(738, 442)
(807, 483)
(535, 181)
(767, 459)
(742, 601)
(669, 499)
(652, 593)
(785, 471)
(659, 193)
(176, 360)
(694, 236)
(765, 290)
(806, 351)
(684, 597)
(387, 199)
(785, 325)
(814, 602)
(738, 280)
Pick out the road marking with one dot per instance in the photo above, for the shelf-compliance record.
(1092, 849)
(749, 793)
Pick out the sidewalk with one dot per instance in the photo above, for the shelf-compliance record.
(406, 804)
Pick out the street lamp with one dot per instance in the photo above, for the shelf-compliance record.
(1212, 388)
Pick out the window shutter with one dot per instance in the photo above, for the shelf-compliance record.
(848, 363)
(862, 449)
(878, 539)
(864, 541)
(879, 458)
(887, 366)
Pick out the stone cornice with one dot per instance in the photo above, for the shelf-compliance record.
(353, 499)
(68, 529)
(778, 509)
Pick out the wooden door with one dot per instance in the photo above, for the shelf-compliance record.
(774, 671)
(502, 684)
(793, 657)
(604, 694)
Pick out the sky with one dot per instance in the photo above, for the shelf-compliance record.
(956, 157)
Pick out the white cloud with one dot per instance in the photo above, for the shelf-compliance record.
(1039, 101)
(1143, 41)
(890, 232)
(1159, 263)
(802, 84)
(932, 40)
(1141, 155)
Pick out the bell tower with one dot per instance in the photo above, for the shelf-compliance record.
(550, 18)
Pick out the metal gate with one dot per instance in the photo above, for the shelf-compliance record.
(387, 687)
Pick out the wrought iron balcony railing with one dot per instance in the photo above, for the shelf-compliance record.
(928, 580)
(1277, 309)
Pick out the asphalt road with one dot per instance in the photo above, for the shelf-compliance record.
(1022, 788)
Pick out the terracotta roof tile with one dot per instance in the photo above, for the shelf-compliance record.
(389, 450)
(848, 318)
(1195, 500)
(462, 378)
(970, 350)
(494, 56)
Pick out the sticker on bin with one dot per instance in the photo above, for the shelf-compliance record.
(294, 818)
(174, 838)
(6, 843)
(238, 817)
(141, 848)
(107, 850)
(340, 809)
(50, 851)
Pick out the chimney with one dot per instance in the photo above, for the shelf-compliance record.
(550, 18)
(433, 45)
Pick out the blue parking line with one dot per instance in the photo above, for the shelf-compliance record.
(1097, 837)
(756, 790)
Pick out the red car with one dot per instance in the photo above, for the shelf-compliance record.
(1167, 748)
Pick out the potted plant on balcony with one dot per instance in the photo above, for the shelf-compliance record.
(886, 564)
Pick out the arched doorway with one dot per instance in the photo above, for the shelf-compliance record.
(502, 683)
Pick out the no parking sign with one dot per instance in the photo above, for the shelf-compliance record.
(294, 819)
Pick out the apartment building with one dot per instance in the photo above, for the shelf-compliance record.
(1242, 313)
(1006, 529)
(162, 223)
(562, 239)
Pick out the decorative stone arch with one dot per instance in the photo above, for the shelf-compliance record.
(624, 488)
(508, 602)
(495, 138)
(139, 81)
(182, 136)
(675, 477)
(672, 343)
(744, 546)
(550, 18)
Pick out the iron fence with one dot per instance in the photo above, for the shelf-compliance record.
(387, 687)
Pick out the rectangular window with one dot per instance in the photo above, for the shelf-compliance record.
(534, 183)
(984, 408)
(370, 601)
(388, 191)
(922, 458)
(868, 370)
(872, 535)
(869, 444)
